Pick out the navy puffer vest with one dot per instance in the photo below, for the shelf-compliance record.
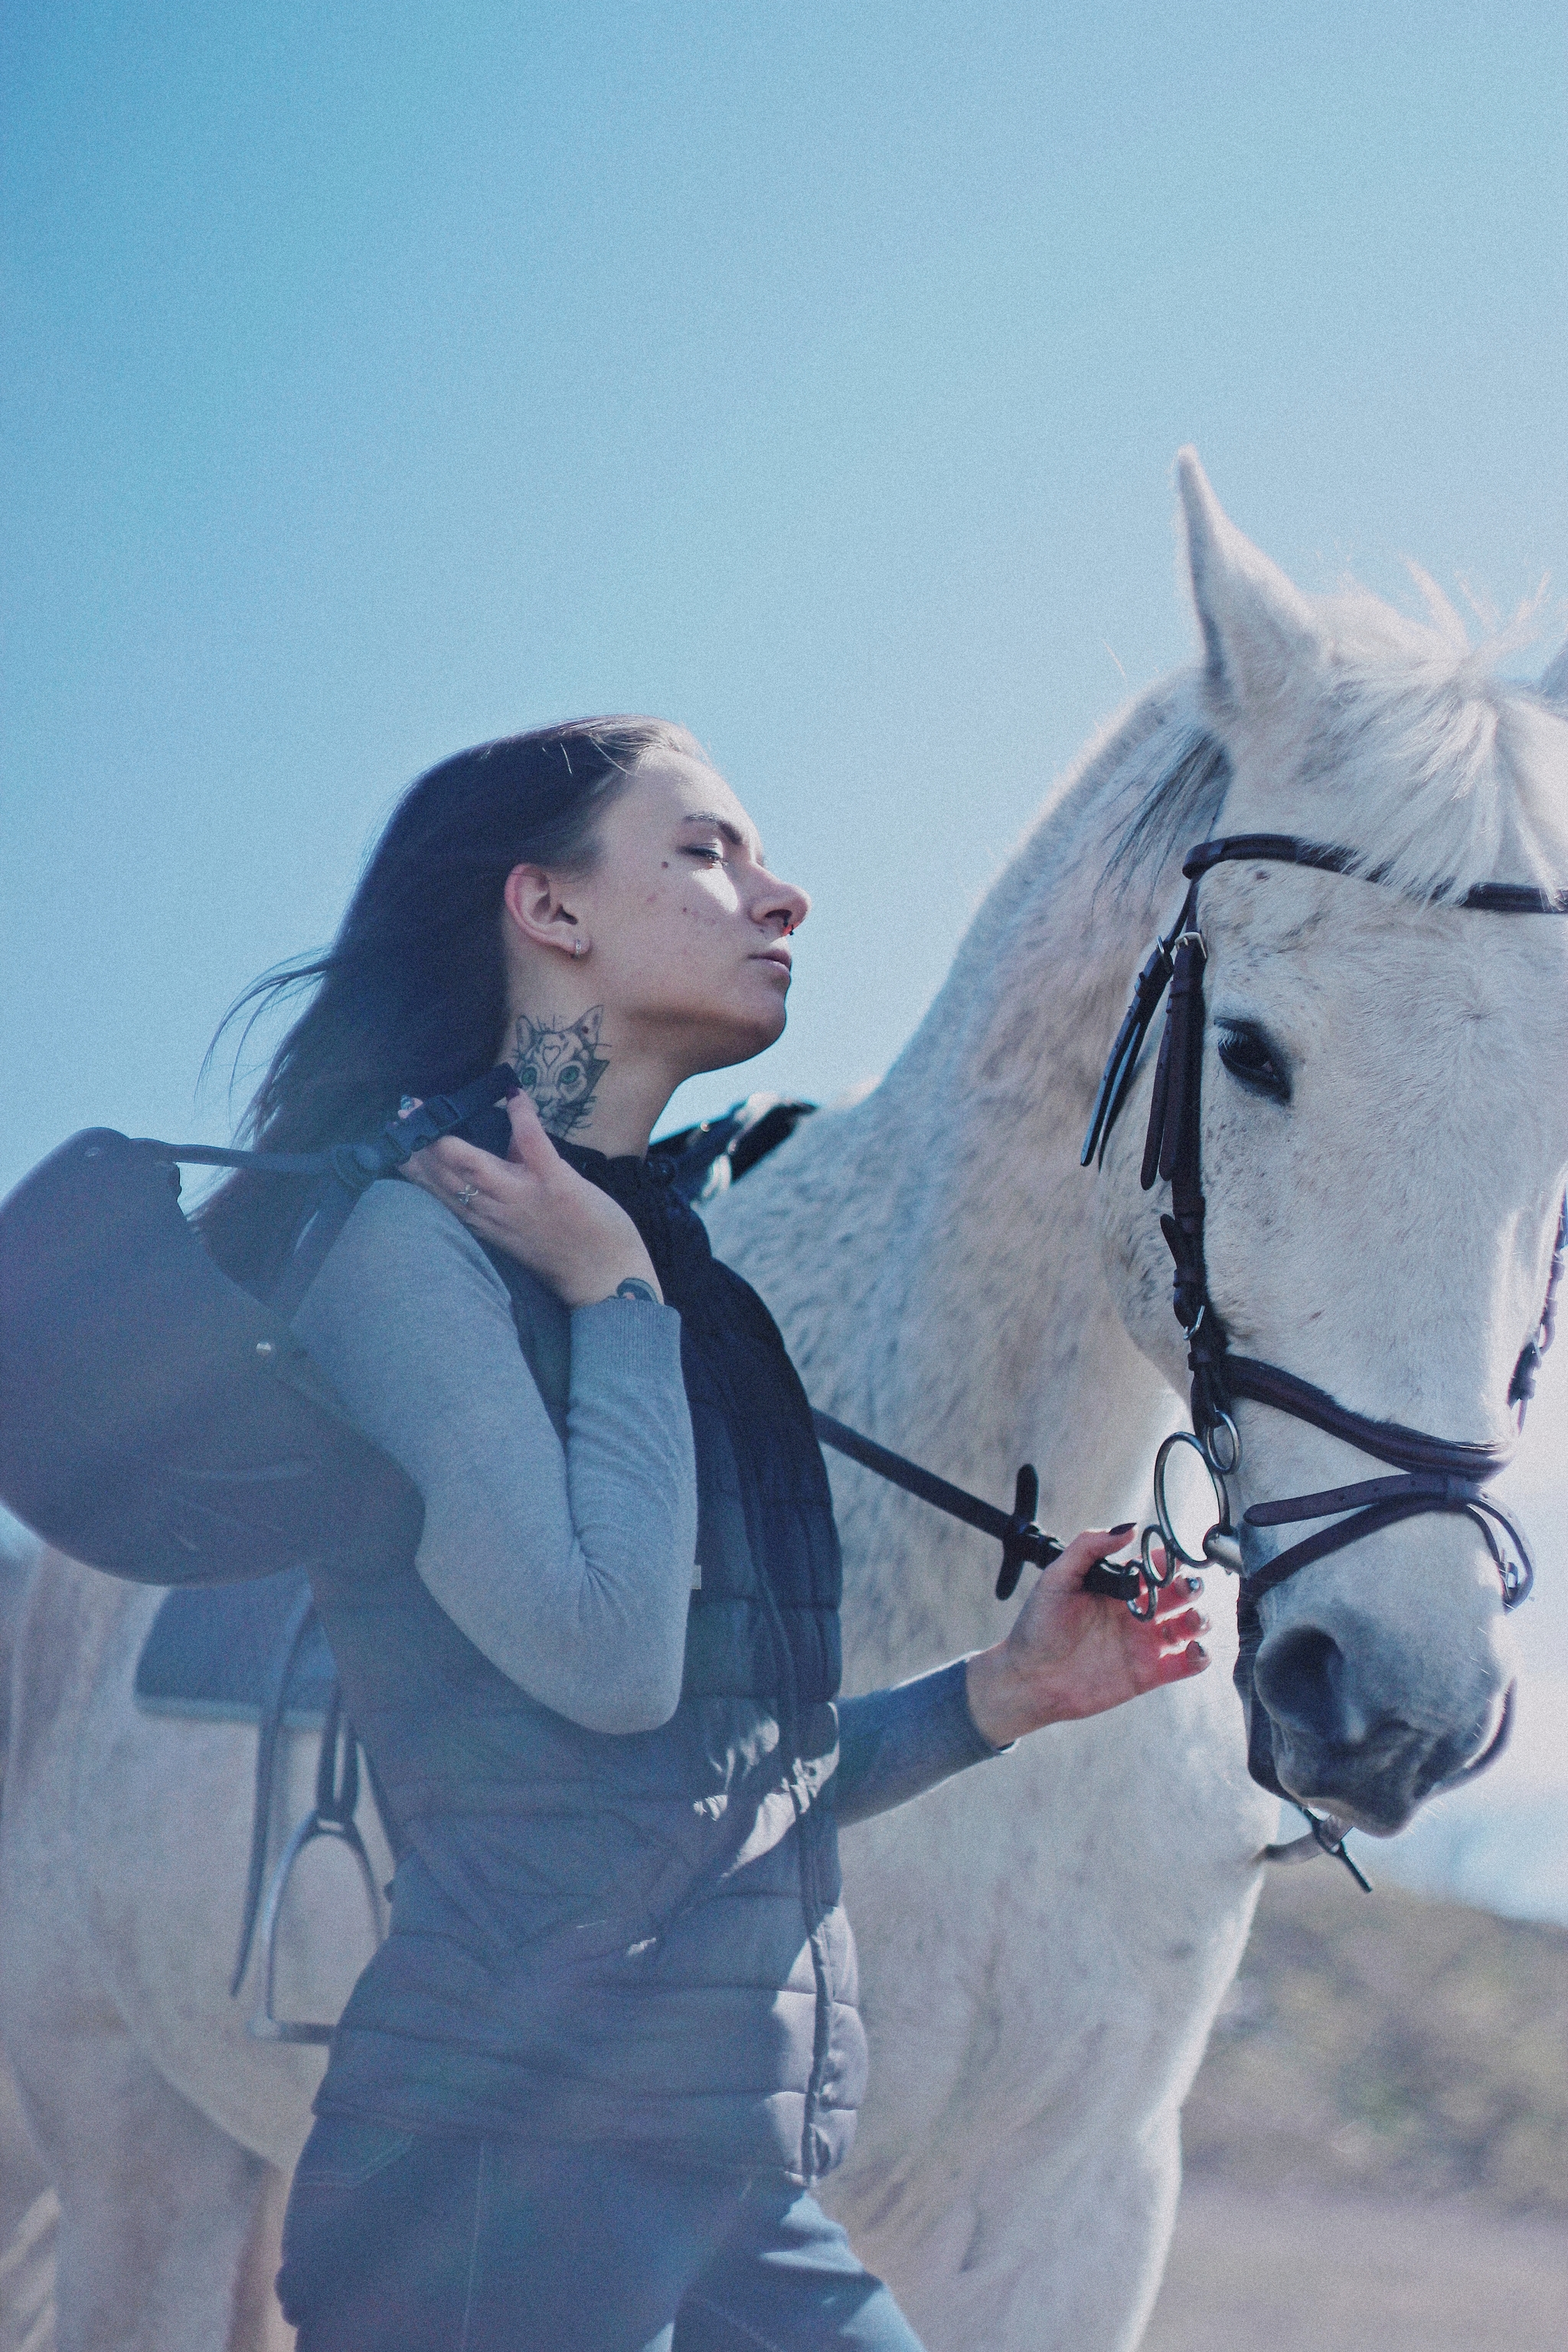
(625, 1938)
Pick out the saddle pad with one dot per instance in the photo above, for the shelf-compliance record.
(211, 1652)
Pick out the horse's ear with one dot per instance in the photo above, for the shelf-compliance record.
(1257, 626)
(1554, 686)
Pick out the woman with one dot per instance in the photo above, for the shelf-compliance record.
(581, 2093)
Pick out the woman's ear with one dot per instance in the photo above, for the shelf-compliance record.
(537, 912)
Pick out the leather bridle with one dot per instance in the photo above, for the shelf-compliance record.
(1430, 1473)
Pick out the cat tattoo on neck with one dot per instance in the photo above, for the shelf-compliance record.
(558, 1065)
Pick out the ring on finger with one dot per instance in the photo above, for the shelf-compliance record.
(464, 1196)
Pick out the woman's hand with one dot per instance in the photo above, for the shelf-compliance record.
(1072, 1653)
(539, 1210)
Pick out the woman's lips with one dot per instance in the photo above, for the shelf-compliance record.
(780, 956)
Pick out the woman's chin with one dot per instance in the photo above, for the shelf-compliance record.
(743, 1041)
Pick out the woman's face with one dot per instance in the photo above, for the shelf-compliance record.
(686, 927)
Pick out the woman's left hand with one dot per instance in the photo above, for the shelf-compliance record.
(1072, 1653)
(535, 1206)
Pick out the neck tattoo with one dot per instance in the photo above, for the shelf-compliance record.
(558, 1065)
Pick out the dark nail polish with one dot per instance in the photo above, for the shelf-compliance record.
(1124, 1529)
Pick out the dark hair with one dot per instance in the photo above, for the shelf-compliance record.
(410, 999)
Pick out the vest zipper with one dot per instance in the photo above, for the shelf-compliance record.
(805, 1826)
(806, 1838)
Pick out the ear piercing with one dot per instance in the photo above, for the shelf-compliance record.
(579, 948)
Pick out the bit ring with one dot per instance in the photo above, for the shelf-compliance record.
(1143, 1603)
(1174, 1548)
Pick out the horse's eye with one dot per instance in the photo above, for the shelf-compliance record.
(1252, 1062)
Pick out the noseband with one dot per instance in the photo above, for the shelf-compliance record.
(1431, 1474)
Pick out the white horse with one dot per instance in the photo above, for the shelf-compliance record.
(1046, 1939)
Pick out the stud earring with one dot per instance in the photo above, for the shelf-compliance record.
(579, 948)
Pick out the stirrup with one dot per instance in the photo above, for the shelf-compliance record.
(332, 1816)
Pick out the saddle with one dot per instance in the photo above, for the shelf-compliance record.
(215, 1651)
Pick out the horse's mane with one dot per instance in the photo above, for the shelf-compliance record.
(1176, 788)
(1410, 752)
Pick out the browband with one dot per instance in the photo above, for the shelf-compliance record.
(1285, 849)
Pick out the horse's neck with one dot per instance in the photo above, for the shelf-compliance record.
(953, 1301)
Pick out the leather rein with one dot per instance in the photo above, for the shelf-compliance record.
(1430, 1473)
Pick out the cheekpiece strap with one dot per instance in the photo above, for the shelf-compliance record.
(1148, 990)
(1521, 1388)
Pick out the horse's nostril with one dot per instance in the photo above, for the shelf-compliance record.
(1302, 1678)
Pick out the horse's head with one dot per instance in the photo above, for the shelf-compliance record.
(1383, 1140)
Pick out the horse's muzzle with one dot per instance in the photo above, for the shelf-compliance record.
(1334, 1742)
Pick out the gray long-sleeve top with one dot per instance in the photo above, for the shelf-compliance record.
(570, 1568)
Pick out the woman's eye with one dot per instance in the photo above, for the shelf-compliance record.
(713, 855)
(1248, 1055)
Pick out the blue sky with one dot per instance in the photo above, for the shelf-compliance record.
(378, 379)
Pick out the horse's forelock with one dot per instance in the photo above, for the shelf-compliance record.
(1407, 749)
(1417, 755)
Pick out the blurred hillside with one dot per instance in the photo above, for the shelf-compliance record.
(1403, 2047)
(1377, 2146)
